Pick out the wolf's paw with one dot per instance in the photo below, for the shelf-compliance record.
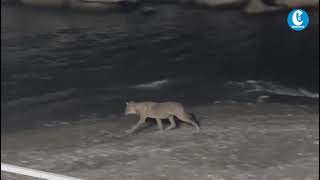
(169, 128)
(129, 131)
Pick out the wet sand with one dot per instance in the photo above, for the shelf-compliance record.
(237, 142)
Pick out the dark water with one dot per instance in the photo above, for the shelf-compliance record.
(63, 66)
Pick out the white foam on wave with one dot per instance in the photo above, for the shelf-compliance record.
(153, 85)
(250, 86)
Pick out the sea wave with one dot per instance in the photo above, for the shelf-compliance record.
(253, 86)
(152, 85)
(41, 98)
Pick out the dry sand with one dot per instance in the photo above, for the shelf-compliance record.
(237, 142)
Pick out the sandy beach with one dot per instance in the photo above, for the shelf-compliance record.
(237, 142)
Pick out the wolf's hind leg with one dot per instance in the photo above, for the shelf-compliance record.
(159, 122)
(172, 124)
(188, 120)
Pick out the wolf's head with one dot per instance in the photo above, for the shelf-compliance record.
(131, 108)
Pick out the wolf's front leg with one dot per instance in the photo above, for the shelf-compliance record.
(136, 126)
(159, 122)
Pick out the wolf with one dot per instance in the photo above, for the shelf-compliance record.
(158, 111)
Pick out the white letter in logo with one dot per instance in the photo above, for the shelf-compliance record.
(296, 18)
